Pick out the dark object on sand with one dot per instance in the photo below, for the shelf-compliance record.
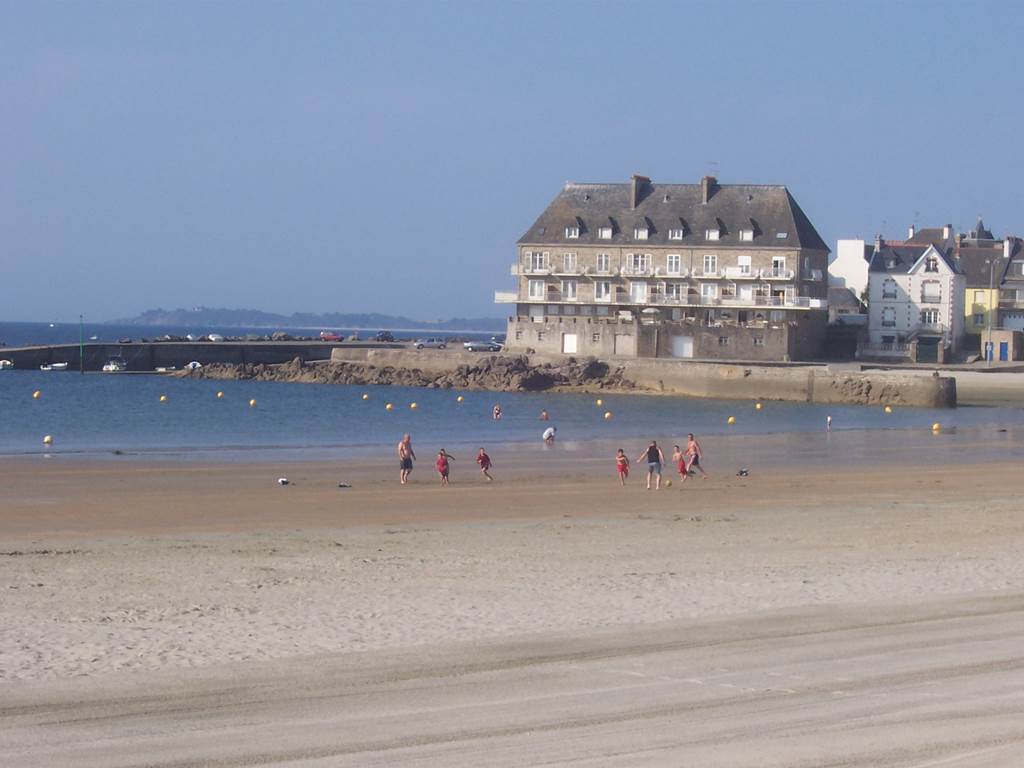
(743, 473)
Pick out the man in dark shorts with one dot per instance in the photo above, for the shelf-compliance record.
(654, 458)
(406, 456)
(694, 454)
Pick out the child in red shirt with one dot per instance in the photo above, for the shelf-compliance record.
(622, 465)
(443, 457)
(485, 464)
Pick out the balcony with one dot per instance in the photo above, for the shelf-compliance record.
(701, 272)
(740, 273)
(777, 273)
(637, 272)
(681, 272)
(505, 297)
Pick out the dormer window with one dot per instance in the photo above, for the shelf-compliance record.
(931, 264)
(572, 232)
(711, 234)
(640, 232)
(604, 233)
(675, 234)
(747, 235)
(781, 235)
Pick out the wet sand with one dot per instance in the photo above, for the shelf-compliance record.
(200, 614)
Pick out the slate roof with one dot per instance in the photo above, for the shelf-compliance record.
(929, 236)
(843, 297)
(975, 263)
(766, 209)
(898, 259)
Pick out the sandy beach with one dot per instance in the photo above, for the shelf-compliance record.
(199, 614)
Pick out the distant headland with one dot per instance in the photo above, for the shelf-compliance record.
(254, 318)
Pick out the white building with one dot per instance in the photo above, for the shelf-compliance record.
(915, 304)
(849, 269)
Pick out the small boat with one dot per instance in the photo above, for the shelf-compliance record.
(54, 367)
(165, 368)
(115, 365)
(6, 364)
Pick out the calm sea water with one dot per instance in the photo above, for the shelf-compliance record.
(31, 334)
(98, 413)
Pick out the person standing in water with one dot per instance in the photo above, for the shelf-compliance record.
(695, 454)
(549, 435)
(654, 458)
(544, 415)
(406, 456)
(443, 457)
(496, 413)
(485, 464)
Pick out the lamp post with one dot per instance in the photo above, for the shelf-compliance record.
(81, 344)
(990, 349)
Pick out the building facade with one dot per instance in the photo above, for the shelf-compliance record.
(670, 270)
(915, 304)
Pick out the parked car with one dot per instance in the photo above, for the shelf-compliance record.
(431, 343)
(483, 346)
(329, 336)
(384, 336)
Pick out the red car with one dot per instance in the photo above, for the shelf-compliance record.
(328, 336)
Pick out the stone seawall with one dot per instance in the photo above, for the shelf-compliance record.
(799, 383)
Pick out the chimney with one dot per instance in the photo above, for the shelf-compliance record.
(637, 188)
(708, 185)
(947, 231)
(1008, 243)
(911, 232)
(879, 242)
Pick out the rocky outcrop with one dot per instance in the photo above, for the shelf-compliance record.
(499, 373)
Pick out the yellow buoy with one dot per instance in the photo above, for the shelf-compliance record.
(599, 401)
(48, 440)
(459, 399)
(252, 403)
(163, 398)
(388, 407)
(220, 395)
(888, 409)
(413, 406)
(731, 420)
(36, 395)
(757, 406)
(607, 415)
(936, 427)
(365, 396)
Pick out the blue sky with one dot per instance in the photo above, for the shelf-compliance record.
(385, 157)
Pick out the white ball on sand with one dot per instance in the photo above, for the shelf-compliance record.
(668, 483)
(48, 440)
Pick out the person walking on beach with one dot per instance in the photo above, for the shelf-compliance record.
(622, 466)
(496, 413)
(695, 454)
(406, 456)
(485, 464)
(679, 459)
(654, 458)
(549, 435)
(443, 458)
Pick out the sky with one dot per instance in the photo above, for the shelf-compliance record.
(381, 156)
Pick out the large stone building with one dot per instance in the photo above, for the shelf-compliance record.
(670, 270)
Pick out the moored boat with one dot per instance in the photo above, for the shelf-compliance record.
(6, 365)
(115, 365)
(54, 367)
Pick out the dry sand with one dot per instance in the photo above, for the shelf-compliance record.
(203, 615)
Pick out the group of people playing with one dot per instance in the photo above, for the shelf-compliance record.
(686, 461)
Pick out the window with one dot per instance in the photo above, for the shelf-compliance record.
(569, 262)
(595, 338)
(540, 335)
(723, 341)
(604, 233)
(538, 261)
(603, 261)
(675, 234)
(931, 264)
(778, 266)
(519, 335)
(602, 290)
(979, 297)
(729, 290)
(781, 235)
(931, 292)
(888, 317)
(758, 341)
(929, 317)
(708, 290)
(746, 235)
(744, 264)
(573, 233)
(711, 234)
(638, 291)
(710, 264)
(536, 289)
(777, 316)
(979, 318)
(673, 262)
(640, 233)
(568, 290)
(639, 262)
(674, 291)
(889, 288)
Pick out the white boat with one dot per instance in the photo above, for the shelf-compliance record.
(115, 365)
(54, 367)
(6, 364)
(165, 368)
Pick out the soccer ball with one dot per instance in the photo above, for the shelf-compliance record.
(668, 483)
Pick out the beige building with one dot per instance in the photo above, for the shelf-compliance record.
(670, 270)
